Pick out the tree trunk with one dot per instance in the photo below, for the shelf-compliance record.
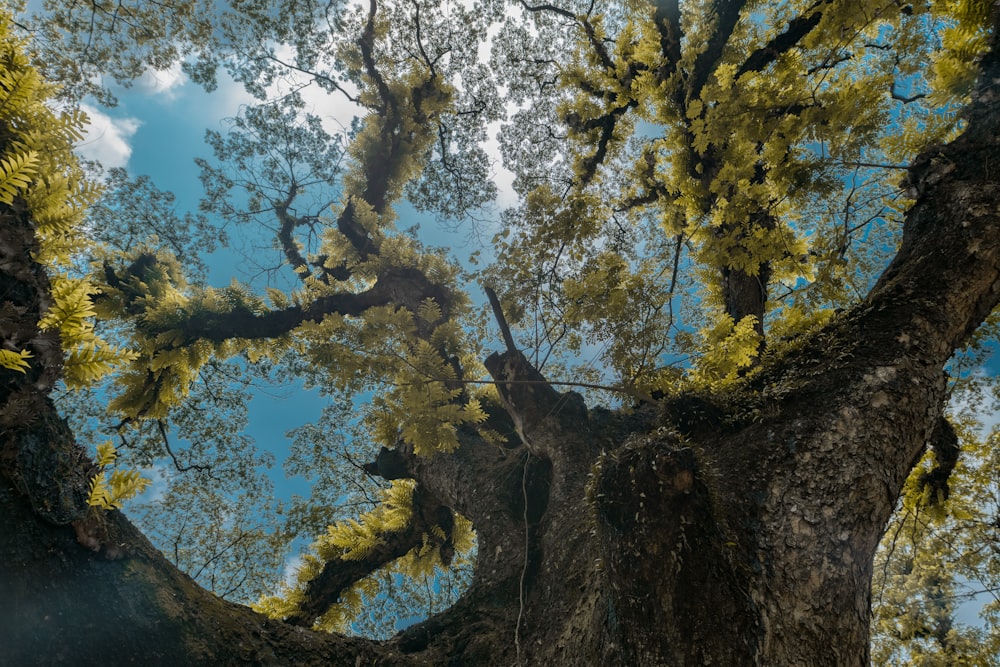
(736, 529)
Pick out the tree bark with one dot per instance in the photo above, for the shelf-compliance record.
(736, 529)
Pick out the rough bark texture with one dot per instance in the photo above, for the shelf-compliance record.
(732, 530)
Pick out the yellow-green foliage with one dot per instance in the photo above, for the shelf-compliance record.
(16, 173)
(733, 349)
(37, 166)
(39, 169)
(410, 129)
(88, 358)
(166, 361)
(781, 163)
(354, 539)
(421, 562)
(623, 307)
(408, 350)
(422, 408)
(15, 361)
(963, 42)
(932, 557)
(109, 492)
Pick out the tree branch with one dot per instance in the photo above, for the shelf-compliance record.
(508, 339)
(121, 583)
(357, 236)
(367, 43)
(539, 411)
(727, 14)
(891, 349)
(606, 124)
(549, 8)
(162, 428)
(798, 28)
(339, 574)
(404, 287)
(667, 15)
(288, 223)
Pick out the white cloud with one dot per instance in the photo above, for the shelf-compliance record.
(224, 102)
(334, 109)
(503, 178)
(106, 139)
(160, 476)
(163, 82)
(291, 571)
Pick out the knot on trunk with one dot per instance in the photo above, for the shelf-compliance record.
(391, 463)
(646, 482)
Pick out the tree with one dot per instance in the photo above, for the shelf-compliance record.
(707, 181)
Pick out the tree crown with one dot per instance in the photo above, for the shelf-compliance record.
(698, 187)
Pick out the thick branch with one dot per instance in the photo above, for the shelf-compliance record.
(838, 424)
(667, 15)
(382, 162)
(798, 28)
(508, 339)
(947, 271)
(606, 124)
(149, 610)
(501, 489)
(549, 8)
(598, 45)
(727, 15)
(745, 293)
(100, 562)
(339, 574)
(243, 323)
(367, 43)
(467, 479)
(554, 426)
(402, 287)
(529, 403)
(356, 234)
(941, 285)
